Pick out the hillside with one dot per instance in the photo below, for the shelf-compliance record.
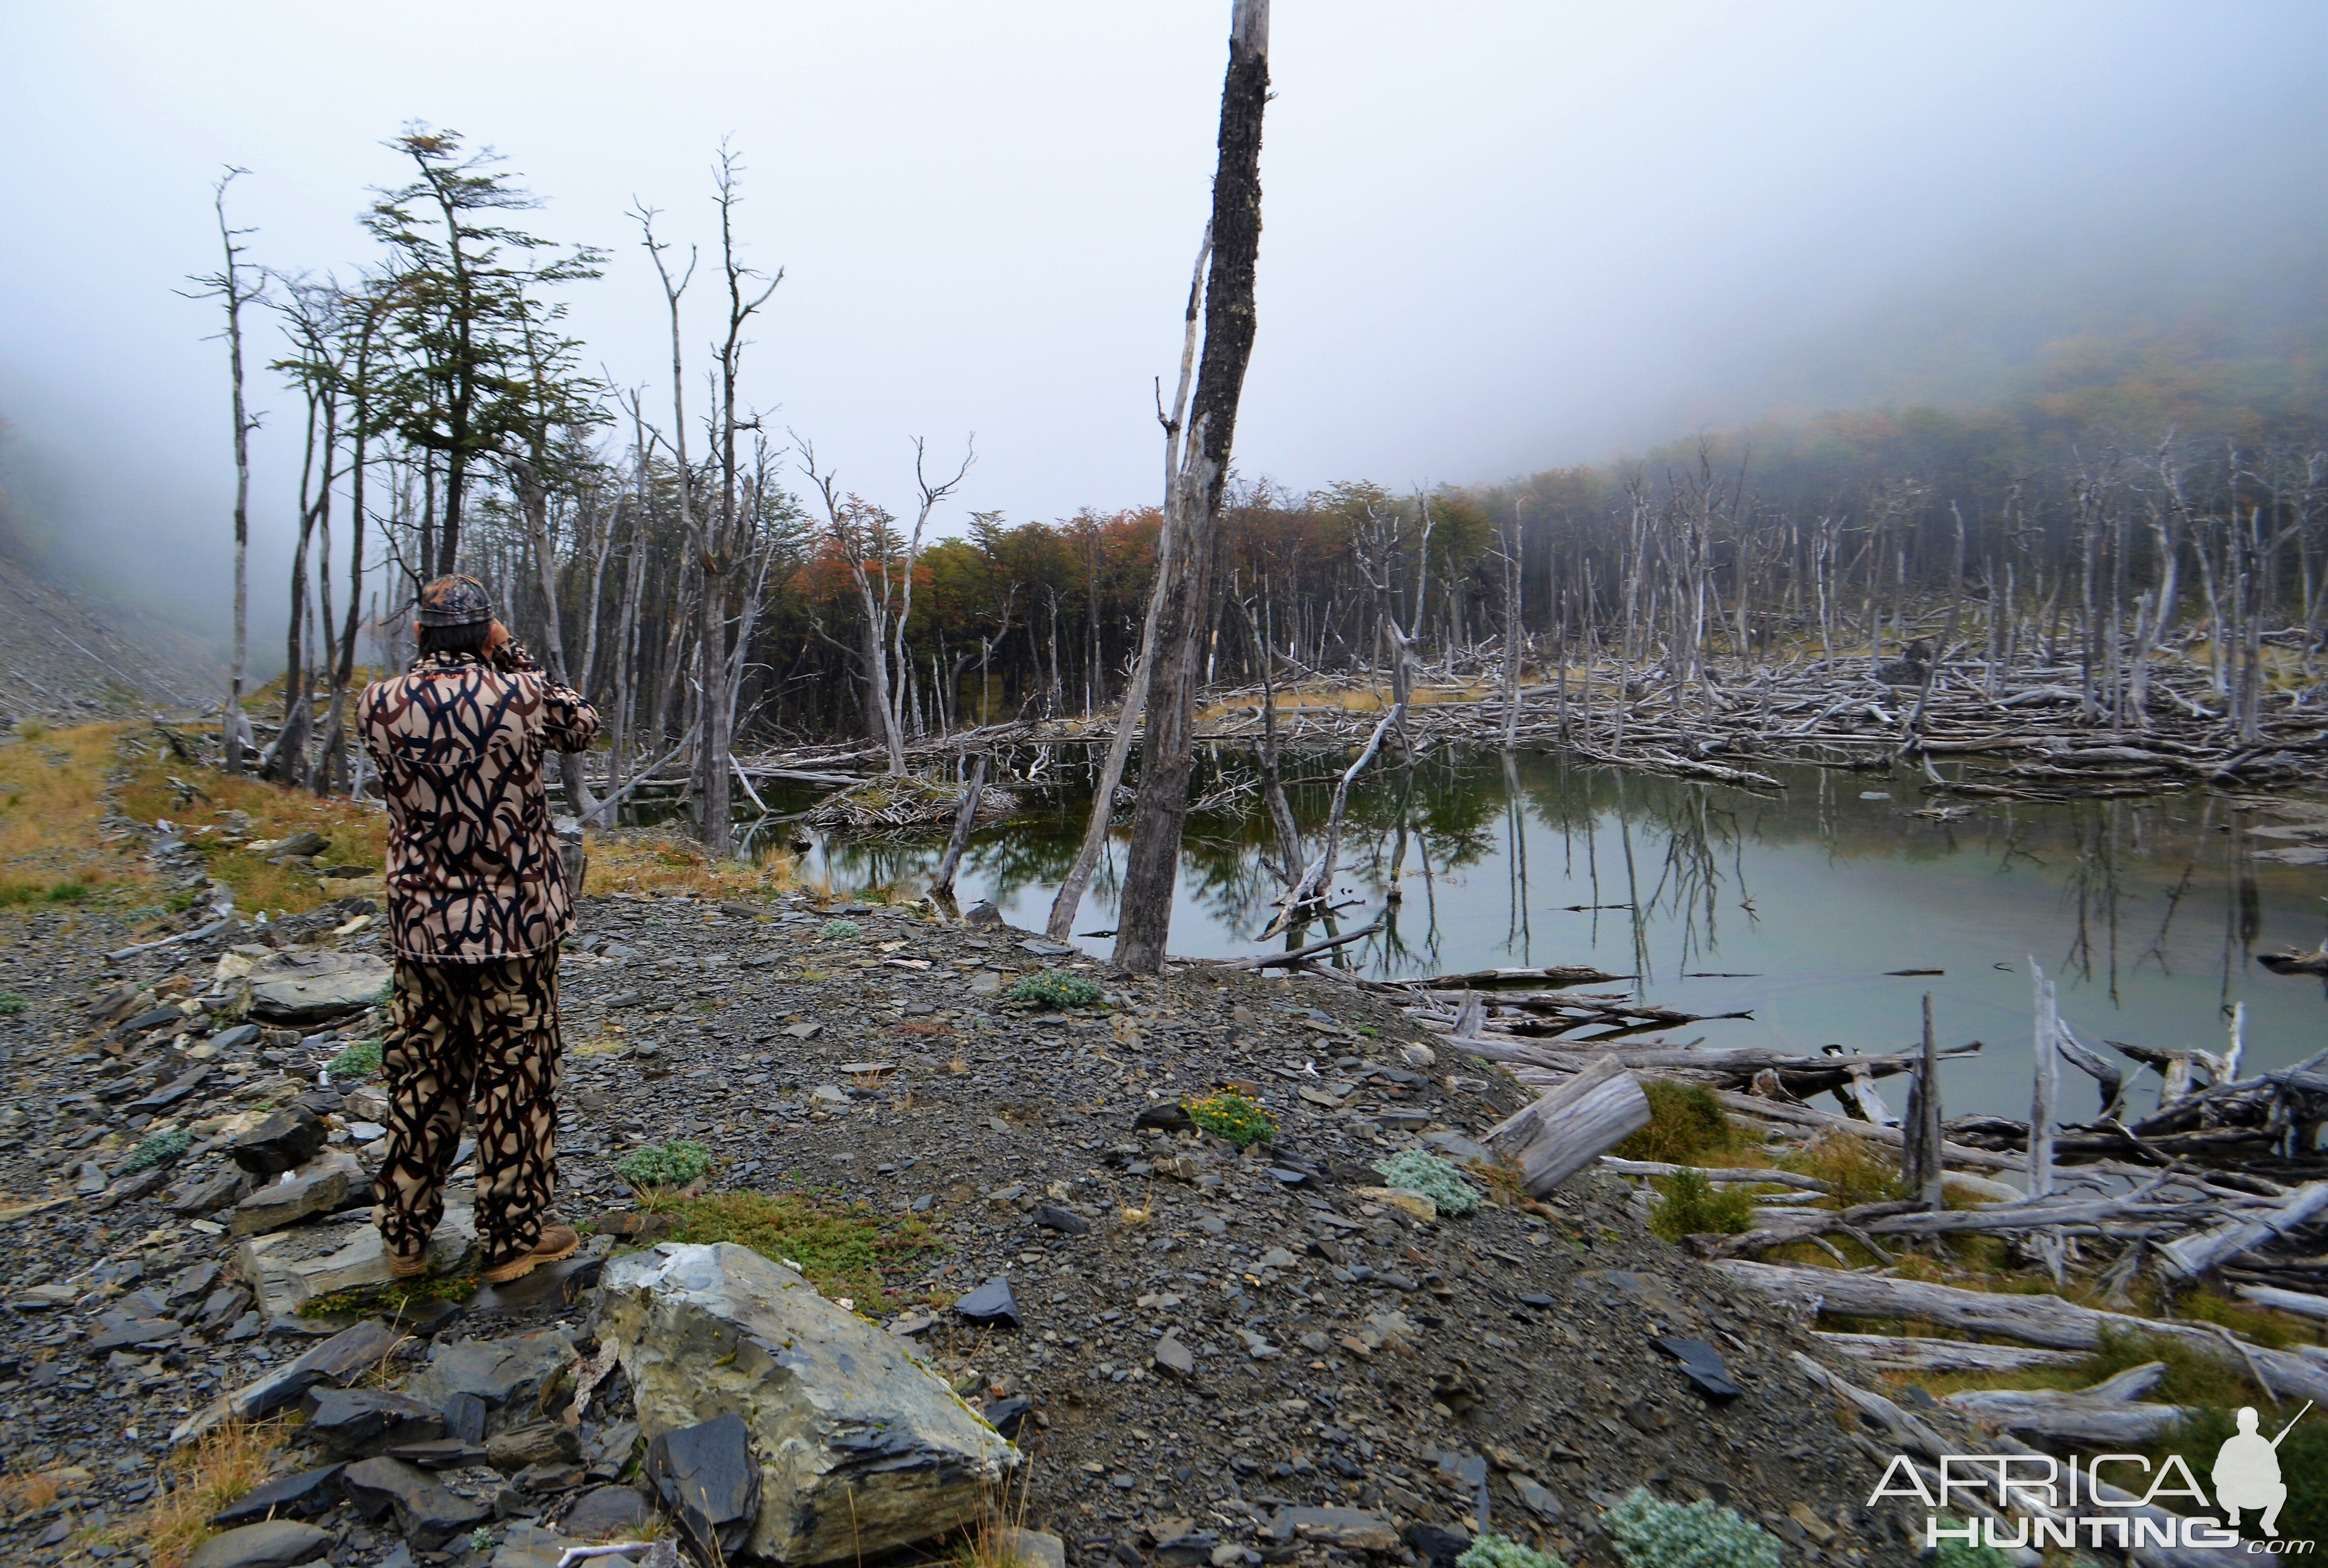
(64, 654)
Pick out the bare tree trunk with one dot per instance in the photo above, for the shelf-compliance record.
(966, 817)
(1152, 864)
(534, 501)
(234, 730)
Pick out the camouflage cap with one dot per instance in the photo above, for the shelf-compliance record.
(454, 601)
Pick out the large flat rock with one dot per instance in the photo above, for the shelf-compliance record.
(314, 988)
(288, 1267)
(860, 1447)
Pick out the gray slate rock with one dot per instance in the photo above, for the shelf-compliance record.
(283, 1141)
(428, 1513)
(302, 1495)
(1034, 1549)
(276, 1544)
(604, 1513)
(540, 1442)
(300, 988)
(1065, 1221)
(506, 1373)
(351, 1423)
(837, 1410)
(992, 1302)
(1174, 1358)
(1347, 1528)
(201, 1195)
(706, 1477)
(341, 1358)
(320, 1185)
(529, 1545)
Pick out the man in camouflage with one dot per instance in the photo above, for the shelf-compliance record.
(477, 904)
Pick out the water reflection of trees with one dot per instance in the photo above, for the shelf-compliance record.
(1664, 856)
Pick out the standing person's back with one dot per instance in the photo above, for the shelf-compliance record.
(477, 904)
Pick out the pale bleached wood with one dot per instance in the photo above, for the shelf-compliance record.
(2046, 1320)
(2201, 1253)
(1901, 1353)
(1573, 1124)
(2108, 1413)
(2299, 1302)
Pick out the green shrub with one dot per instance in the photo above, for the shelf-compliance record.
(1692, 1206)
(1431, 1176)
(158, 1149)
(1685, 1123)
(1231, 1115)
(1650, 1534)
(672, 1164)
(1053, 989)
(10, 1002)
(1493, 1551)
(840, 931)
(67, 892)
(360, 1060)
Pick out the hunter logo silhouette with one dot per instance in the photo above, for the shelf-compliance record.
(2246, 1472)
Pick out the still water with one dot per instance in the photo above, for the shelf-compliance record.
(1792, 906)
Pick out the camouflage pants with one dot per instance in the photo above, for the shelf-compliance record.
(466, 1037)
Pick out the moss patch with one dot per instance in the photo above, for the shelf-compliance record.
(392, 1299)
(843, 1249)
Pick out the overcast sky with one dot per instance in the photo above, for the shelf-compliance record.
(1497, 236)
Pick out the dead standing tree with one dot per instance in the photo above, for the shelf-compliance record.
(1181, 609)
(719, 549)
(1070, 897)
(881, 568)
(227, 285)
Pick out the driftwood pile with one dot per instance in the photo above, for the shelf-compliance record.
(2220, 1185)
(2033, 732)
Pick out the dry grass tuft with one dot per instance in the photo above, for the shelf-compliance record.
(649, 860)
(29, 1494)
(223, 1464)
(51, 782)
(993, 1539)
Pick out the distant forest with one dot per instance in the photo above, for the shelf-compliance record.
(2117, 489)
(2120, 456)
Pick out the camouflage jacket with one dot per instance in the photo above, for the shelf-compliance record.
(472, 868)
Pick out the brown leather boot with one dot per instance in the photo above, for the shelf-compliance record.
(557, 1241)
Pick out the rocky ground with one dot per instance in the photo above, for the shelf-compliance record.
(72, 657)
(1205, 1342)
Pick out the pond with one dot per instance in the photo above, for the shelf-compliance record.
(1796, 906)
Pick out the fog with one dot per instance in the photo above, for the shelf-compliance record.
(1497, 237)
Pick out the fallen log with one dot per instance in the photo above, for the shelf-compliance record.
(1907, 1219)
(1300, 954)
(2046, 1320)
(2301, 1302)
(1807, 1117)
(2193, 1256)
(1571, 1125)
(1731, 1069)
(1738, 1176)
(2108, 1415)
(1488, 978)
(1918, 1436)
(1900, 1353)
